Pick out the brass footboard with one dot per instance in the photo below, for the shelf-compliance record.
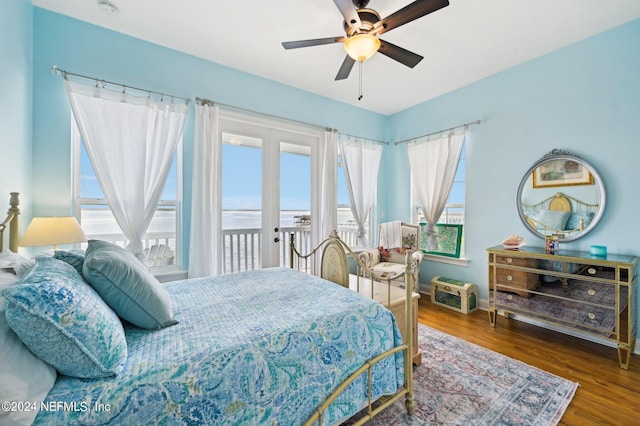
(336, 271)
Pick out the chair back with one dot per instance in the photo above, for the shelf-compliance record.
(410, 241)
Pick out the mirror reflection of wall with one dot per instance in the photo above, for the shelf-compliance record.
(589, 194)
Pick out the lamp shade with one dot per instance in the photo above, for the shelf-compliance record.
(51, 231)
(361, 46)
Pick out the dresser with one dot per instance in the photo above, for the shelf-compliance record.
(394, 299)
(572, 290)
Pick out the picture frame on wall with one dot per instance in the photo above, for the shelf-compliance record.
(561, 172)
(449, 239)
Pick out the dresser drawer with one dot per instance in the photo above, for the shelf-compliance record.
(512, 280)
(516, 261)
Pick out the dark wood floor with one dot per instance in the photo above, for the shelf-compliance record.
(608, 395)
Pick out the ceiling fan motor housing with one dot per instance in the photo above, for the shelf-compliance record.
(368, 18)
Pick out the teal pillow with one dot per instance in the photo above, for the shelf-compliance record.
(553, 219)
(63, 321)
(127, 286)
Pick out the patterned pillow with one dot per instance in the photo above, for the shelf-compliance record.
(574, 220)
(62, 320)
(74, 258)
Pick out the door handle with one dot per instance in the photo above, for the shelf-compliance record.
(276, 240)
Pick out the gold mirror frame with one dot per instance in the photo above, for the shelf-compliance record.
(564, 182)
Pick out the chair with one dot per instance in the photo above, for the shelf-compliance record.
(386, 262)
(158, 255)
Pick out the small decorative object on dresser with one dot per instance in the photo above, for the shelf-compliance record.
(454, 294)
(580, 293)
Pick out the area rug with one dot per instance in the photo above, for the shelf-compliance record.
(598, 317)
(460, 383)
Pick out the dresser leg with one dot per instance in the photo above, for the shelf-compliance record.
(624, 356)
(492, 317)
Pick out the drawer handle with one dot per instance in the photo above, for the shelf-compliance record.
(509, 260)
(510, 297)
(509, 278)
(591, 292)
(591, 271)
(592, 316)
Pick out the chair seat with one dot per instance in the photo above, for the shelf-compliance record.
(386, 269)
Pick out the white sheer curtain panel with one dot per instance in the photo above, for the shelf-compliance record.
(131, 142)
(205, 247)
(327, 199)
(361, 162)
(433, 166)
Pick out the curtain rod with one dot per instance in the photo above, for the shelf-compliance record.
(435, 133)
(64, 74)
(365, 139)
(203, 101)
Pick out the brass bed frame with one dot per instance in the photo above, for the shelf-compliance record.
(333, 266)
(12, 222)
(559, 202)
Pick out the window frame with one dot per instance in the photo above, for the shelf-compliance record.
(415, 215)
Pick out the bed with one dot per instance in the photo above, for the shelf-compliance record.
(274, 346)
(559, 214)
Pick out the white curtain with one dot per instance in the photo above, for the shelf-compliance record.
(361, 162)
(205, 249)
(433, 166)
(326, 201)
(131, 142)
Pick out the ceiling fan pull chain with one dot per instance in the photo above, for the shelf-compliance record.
(360, 80)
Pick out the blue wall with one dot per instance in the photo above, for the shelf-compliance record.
(16, 56)
(584, 98)
(86, 49)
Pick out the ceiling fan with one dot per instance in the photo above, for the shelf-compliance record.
(363, 26)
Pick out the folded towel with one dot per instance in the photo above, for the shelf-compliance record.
(391, 234)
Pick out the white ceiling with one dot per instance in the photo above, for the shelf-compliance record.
(461, 44)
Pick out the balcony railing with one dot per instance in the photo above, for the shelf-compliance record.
(241, 247)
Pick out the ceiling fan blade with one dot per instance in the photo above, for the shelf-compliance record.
(399, 54)
(415, 10)
(345, 68)
(312, 42)
(349, 13)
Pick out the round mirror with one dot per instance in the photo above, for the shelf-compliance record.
(561, 195)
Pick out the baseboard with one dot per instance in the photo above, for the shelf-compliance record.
(425, 290)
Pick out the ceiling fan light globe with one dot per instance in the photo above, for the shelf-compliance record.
(362, 46)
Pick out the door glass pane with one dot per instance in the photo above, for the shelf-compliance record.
(295, 198)
(241, 202)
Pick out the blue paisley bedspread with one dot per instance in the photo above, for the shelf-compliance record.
(253, 348)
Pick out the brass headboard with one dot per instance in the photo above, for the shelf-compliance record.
(12, 222)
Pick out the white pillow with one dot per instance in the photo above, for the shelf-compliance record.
(23, 376)
(14, 262)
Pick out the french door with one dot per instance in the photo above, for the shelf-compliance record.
(268, 181)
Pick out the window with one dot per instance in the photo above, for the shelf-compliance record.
(94, 214)
(453, 212)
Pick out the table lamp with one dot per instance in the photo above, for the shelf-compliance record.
(45, 231)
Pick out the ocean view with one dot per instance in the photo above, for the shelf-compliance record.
(102, 222)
